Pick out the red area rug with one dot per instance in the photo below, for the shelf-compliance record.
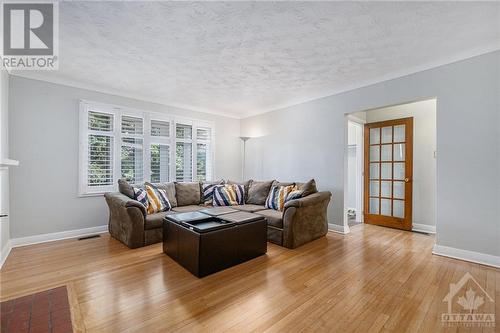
(44, 312)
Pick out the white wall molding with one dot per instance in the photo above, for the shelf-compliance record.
(36, 239)
(430, 229)
(340, 229)
(477, 257)
(4, 253)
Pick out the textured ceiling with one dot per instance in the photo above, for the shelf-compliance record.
(242, 58)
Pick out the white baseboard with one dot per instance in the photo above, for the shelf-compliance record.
(476, 257)
(16, 242)
(340, 229)
(430, 229)
(4, 253)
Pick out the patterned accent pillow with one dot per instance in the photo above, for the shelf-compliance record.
(277, 196)
(295, 194)
(229, 195)
(142, 196)
(207, 191)
(157, 199)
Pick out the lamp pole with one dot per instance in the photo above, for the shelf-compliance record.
(244, 139)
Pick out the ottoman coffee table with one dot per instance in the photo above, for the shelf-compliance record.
(205, 244)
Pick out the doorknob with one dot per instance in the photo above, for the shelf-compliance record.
(407, 180)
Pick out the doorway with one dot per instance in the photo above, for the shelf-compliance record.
(398, 182)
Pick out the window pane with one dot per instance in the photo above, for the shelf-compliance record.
(183, 131)
(202, 161)
(399, 152)
(385, 189)
(203, 134)
(387, 134)
(132, 160)
(385, 207)
(399, 190)
(374, 170)
(399, 208)
(183, 162)
(131, 125)
(374, 188)
(160, 161)
(374, 153)
(399, 133)
(100, 121)
(386, 152)
(100, 159)
(374, 135)
(374, 205)
(399, 171)
(160, 128)
(386, 171)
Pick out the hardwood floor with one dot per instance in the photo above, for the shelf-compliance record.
(374, 279)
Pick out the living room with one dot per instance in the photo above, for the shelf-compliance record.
(183, 166)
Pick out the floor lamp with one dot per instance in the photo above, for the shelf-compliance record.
(244, 139)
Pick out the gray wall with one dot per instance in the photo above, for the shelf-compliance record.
(4, 153)
(44, 137)
(307, 140)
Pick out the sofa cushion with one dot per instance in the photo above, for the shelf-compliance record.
(126, 189)
(186, 209)
(274, 217)
(157, 199)
(207, 191)
(188, 193)
(277, 196)
(250, 208)
(258, 192)
(307, 188)
(245, 184)
(154, 221)
(229, 195)
(169, 188)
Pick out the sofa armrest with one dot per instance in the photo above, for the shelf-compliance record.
(126, 219)
(310, 200)
(124, 201)
(305, 219)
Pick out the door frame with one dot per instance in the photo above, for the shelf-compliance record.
(351, 118)
(405, 223)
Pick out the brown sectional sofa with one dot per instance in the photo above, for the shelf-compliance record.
(301, 221)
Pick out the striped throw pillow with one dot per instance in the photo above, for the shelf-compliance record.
(295, 194)
(157, 199)
(277, 196)
(229, 195)
(208, 193)
(141, 195)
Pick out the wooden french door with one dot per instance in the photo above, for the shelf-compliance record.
(388, 173)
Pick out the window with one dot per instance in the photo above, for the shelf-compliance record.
(99, 150)
(140, 146)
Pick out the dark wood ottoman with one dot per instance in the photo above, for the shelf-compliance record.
(205, 244)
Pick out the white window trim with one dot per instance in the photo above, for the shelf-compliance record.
(118, 111)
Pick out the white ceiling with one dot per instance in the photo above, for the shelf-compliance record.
(242, 58)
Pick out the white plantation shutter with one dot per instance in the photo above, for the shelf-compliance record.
(100, 165)
(132, 143)
(160, 163)
(203, 154)
(160, 128)
(132, 163)
(132, 125)
(184, 152)
(116, 142)
(100, 149)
